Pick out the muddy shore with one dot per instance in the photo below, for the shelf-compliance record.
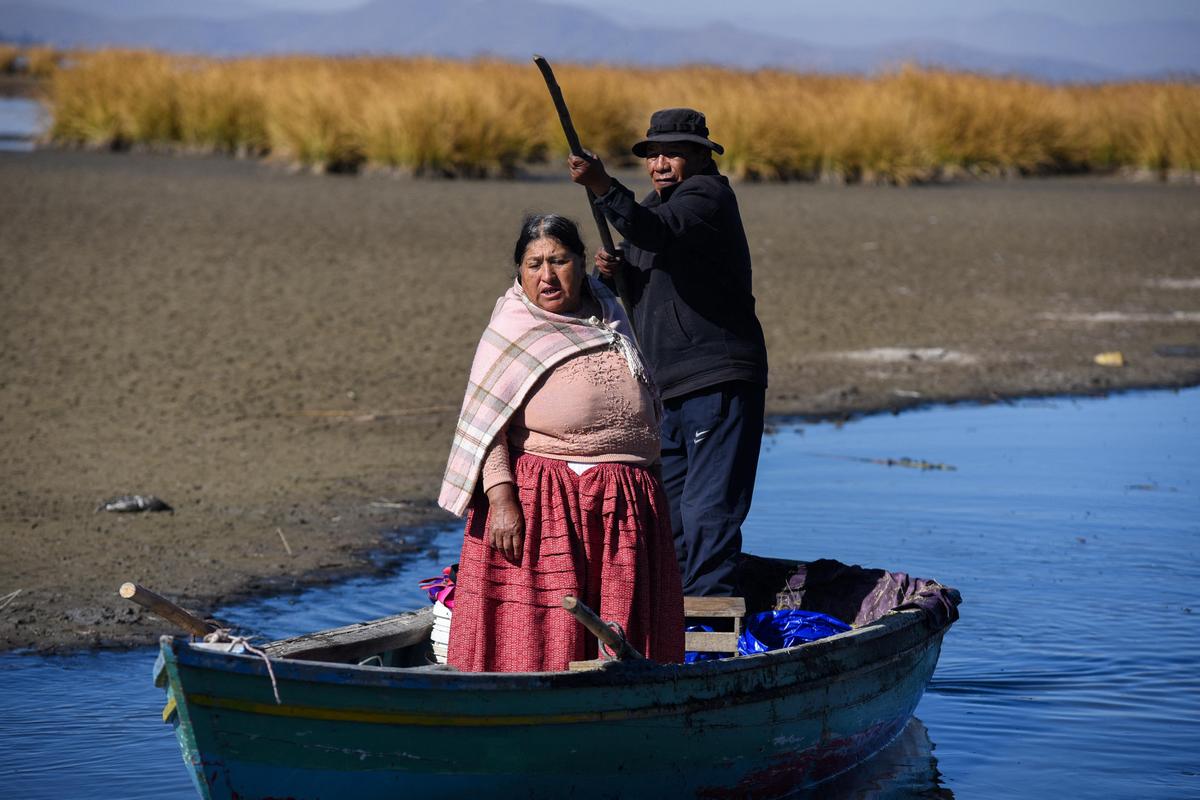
(280, 356)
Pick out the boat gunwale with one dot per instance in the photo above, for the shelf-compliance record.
(892, 625)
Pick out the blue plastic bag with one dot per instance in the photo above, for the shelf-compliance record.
(775, 630)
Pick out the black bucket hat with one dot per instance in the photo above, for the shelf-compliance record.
(677, 125)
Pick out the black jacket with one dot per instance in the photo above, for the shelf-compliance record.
(691, 292)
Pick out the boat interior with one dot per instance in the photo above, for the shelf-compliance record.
(856, 595)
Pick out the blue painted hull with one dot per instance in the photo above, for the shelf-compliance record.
(757, 726)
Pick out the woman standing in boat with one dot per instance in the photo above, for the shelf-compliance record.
(551, 462)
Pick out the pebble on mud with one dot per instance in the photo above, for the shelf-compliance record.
(134, 502)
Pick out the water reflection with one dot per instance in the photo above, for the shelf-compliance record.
(904, 770)
(20, 122)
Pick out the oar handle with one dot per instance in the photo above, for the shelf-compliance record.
(560, 105)
(564, 117)
(604, 632)
(164, 608)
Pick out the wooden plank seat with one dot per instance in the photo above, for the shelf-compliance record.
(710, 610)
(351, 643)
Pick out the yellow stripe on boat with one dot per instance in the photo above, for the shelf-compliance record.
(170, 708)
(426, 720)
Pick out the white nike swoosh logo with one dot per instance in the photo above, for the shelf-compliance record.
(699, 437)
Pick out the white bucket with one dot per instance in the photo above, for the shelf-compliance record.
(440, 635)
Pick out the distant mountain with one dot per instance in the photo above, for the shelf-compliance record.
(454, 28)
(1130, 48)
(935, 52)
(134, 9)
(512, 29)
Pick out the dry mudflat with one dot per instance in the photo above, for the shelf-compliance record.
(281, 356)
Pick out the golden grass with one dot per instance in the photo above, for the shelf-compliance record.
(34, 61)
(490, 117)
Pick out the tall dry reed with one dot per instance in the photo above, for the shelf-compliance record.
(491, 117)
(35, 61)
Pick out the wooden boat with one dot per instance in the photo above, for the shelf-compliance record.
(394, 726)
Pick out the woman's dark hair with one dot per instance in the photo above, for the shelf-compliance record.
(537, 226)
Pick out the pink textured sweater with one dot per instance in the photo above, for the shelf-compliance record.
(589, 409)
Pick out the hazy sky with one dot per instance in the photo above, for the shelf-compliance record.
(1097, 11)
(700, 11)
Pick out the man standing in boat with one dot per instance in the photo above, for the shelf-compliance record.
(687, 263)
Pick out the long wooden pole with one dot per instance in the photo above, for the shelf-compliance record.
(590, 620)
(164, 608)
(564, 117)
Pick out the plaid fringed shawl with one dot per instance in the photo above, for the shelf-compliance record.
(520, 344)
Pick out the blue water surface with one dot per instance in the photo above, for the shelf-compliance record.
(1072, 529)
(20, 121)
(1071, 526)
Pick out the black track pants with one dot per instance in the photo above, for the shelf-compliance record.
(710, 444)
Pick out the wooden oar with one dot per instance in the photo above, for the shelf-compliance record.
(161, 606)
(602, 630)
(564, 117)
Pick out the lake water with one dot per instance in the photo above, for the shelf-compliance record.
(1072, 528)
(20, 121)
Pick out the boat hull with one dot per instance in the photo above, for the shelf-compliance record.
(756, 726)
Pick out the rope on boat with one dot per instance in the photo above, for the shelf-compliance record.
(222, 635)
(211, 632)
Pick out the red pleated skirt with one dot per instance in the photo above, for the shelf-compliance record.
(604, 537)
